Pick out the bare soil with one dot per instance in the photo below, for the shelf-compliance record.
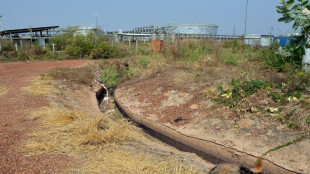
(16, 105)
(175, 99)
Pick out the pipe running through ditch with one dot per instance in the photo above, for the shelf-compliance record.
(211, 151)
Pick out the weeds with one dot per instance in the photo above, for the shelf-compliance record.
(286, 144)
(82, 75)
(143, 61)
(239, 90)
(188, 50)
(230, 58)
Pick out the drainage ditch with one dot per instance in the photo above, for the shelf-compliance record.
(209, 151)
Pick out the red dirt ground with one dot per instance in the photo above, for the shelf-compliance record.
(164, 98)
(15, 106)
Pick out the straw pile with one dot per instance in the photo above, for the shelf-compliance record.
(97, 142)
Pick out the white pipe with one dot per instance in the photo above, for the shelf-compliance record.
(306, 58)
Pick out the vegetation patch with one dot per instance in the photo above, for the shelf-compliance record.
(230, 96)
(82, 75)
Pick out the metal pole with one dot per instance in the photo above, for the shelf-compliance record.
(246, 16)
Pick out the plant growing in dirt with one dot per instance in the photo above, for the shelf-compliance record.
(239, 90)
(272, 59)
(299, 14)
(112, 75)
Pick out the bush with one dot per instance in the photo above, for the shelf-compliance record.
(144, 61)
(104, 50)
(31, 52)
(271, 57)
(188, 50)
(7, 46)
(236, 46)
(111, 75)
(80, 45)
(62, 39)
(228, 57)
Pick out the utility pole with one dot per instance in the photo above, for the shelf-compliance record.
(246, 16)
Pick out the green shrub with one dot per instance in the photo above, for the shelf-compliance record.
(7, 45)
(103, 50)
(111, 75)
(144, 61)
(81, 45)
(272, 59)
(63, 39)
(228, 57)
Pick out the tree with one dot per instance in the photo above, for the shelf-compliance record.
(297, 12)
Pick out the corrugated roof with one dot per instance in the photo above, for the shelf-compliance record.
(27, 30)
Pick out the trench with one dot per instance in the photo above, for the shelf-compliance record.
(215, 153)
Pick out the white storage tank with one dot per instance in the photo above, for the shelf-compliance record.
(192, 29)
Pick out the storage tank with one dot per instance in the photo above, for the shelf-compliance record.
(200, 29)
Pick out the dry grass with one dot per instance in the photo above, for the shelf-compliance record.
(81, 75)
(118, 161)
(3, 90)
(40, 85)
(71, 131)
(96, 141)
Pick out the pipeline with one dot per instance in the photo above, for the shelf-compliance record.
(209, 150)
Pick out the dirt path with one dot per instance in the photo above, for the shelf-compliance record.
(15, 106)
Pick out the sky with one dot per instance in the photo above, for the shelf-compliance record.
(128, 14)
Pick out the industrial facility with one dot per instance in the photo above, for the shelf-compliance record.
(41, 35)
(24, 36)
(186, 29)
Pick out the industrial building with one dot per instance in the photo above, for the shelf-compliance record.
(25, 36)
(191, 29)
(179, 29)
(153, 32)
